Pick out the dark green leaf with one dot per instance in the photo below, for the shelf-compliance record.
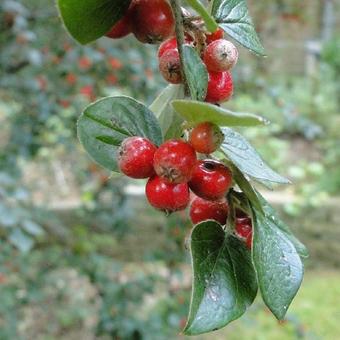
(244, 156)
(97, 127)
(169, 120)
(278, 265)
(234, 18)
(271, 215)
(197, 112)
(224, 282)
(88, 20)
(196, 73)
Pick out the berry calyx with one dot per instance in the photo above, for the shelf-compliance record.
(166, 196)
(210, 37)
(202, 210)
(243, 227)
(206, 137)
(220, 87)
(174, 161)
(210, 179)
(152, 20)
(220, 55)
(121, 29)
(170, 66)
(135, 157)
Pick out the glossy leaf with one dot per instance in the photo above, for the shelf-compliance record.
(278, 265)
(224, 281)
(102, 127)
(169, 120)
(196, 73)
(234, 19)
(244, 156)
(197, 112)
(88, 20)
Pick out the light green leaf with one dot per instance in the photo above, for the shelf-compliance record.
(244, 156)
(234, 19)
(278, 266)
(197, 112)
(101, 127)
(196, 73)
(224, 282)
(88, 20)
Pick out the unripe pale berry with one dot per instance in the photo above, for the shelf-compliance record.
(220, 55)
(170, 66)
(202, 210)
(152, 20)
(210, 179)
(166, 196)
(206, 137)
(174, 161)
(220, 87)
(135, 157)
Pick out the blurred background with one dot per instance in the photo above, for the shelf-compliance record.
(82, 254)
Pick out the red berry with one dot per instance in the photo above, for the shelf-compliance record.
(171, 44)
(218, 34)
(220, 55)
(135, 157)
(206, 137)
(170, 66)
(121, 29)
(202, 210)
(174, 161)
(152, 20)
(166, 196)
(220, 87)
(210, 179)
(243, 227)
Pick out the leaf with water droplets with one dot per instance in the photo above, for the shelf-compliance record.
(224, 281)
(244, 156)
(277, 263)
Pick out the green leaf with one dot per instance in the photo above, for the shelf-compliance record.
(234, 19)
(224, 281)
(210, 23)
(88, 20)
(101, 125)
(278, 266)
(271, 215)
(197, 112)
(169, 120)
(244, 156)
(196, 73)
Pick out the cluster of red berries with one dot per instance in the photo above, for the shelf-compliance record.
(173, 169)
(152, 21)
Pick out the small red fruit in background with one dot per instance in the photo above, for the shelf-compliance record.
(220, 55)
(206, 137)
(152, 20)
(135, 157)
(166, 196)
(121, 28)
(170, 66)
(243, 227)
(220, 87)
(202, 210)
(218, 34)
(174, 161)
(210, 179)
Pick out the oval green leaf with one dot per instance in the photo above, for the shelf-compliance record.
(88, 20)
(197, 112)
(234, 19)
(224, 280)
(105, 123)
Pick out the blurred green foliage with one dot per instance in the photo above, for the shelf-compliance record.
(63, 274)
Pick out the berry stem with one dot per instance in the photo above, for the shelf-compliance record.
(177, 11)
